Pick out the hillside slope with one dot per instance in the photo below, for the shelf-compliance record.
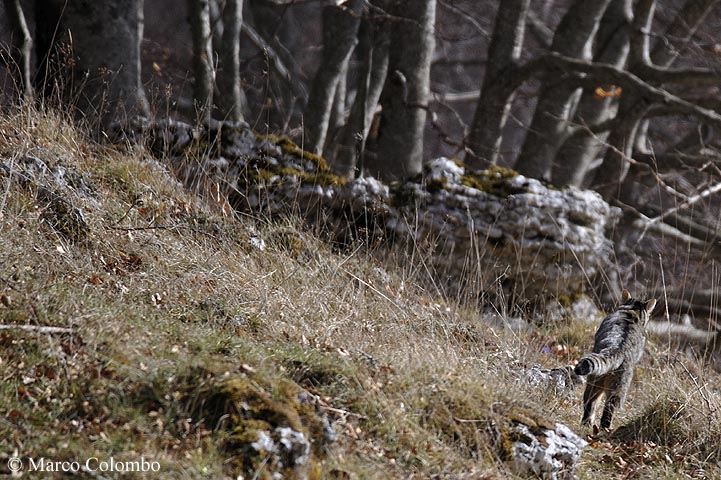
(140, 321)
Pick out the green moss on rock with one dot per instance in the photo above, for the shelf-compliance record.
(260, 171)
(567, 300)
(248, 431)
(240, 399)
(493, 180)
(289, 147)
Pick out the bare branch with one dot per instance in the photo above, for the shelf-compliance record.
(456, 97)
(675, 160)
(605, 73)
(683, 333)
(25, 46)
(263, 46)
(668, 231)
(642, 20)
(693, 77)
(469, 18)
(543, 34)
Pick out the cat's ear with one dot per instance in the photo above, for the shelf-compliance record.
(649, 305)
(625, 296)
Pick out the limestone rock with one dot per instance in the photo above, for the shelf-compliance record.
(559, 380)
(549, 453)
(286, 448)
(532, 240)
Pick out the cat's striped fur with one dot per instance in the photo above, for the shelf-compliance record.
(617, 347)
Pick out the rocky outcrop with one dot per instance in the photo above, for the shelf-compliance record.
(493, 227)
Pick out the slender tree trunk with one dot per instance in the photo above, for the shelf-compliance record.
(337, 115)
(340, 35)
(106, 39)
(504, 51)
(24, 42)
(373, 52)
(230, 98)
(216, 22)
(609, 177)
(199, 12)
(578, 153)
(550, 125)
(405, 94)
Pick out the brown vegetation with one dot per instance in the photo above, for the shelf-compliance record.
(183, 332)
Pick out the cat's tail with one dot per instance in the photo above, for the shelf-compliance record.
(598, 363)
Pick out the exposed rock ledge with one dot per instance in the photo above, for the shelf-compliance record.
(534, 240)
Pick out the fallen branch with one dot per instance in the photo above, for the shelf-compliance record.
(37, 328)
(344, 413)
(684, 333)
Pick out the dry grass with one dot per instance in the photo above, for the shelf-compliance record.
(167, 298)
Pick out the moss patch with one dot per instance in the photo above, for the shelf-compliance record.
(242, 409)
(289, 147)
(260, 171)
(479, 422)
(494, 180)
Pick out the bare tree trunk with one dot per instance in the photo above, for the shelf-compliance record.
(373, 47)
(230, 98)
(405, 94)
(578, 153)
(24, 44)
(337, 115)
(550, 125)
(504, 51)
(199, 14)
(106, 40)
(340, 35)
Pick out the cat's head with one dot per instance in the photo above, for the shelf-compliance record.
(642, 308)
